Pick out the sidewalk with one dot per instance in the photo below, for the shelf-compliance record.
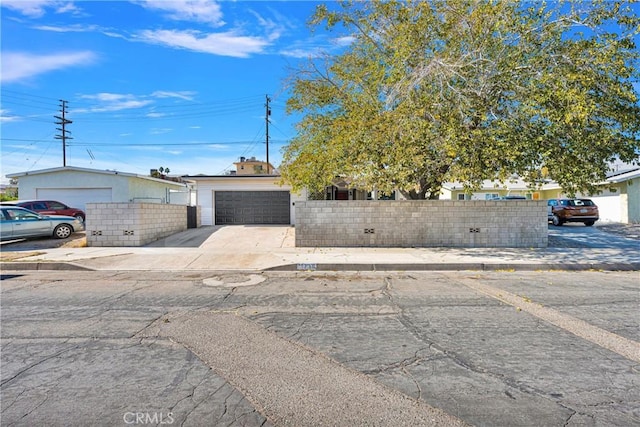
(259, 248)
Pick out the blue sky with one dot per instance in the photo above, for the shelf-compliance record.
(149, 83)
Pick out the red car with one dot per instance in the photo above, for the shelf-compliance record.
(48, 207)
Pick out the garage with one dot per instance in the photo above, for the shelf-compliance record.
(252, 207)
(75, 197)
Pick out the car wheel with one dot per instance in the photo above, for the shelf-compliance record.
(556, 221)
(62, 231)
(79, 218)
(589, 223)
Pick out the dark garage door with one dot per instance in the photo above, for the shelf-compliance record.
(252, 207)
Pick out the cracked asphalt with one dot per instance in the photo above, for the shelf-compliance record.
(544, 348)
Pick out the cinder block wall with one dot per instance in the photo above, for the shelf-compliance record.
(132, 224)
(422, 223)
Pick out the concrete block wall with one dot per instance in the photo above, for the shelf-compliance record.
(422, 223)
(132, 224)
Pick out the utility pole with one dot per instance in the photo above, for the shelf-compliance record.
(63, 121)
(266, 116)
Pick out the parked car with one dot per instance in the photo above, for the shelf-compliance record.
(17, 223)
(560, 211)
(48, 207)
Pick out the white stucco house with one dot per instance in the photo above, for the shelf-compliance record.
(76, 187)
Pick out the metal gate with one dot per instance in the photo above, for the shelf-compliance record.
(252, 207)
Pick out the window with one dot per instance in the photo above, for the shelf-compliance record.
(461, 197)
(17, 214)
(56, 206)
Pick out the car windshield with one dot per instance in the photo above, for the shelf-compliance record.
(581, 202)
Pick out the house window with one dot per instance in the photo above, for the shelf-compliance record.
(461, 197)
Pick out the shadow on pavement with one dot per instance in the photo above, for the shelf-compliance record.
(191, 238)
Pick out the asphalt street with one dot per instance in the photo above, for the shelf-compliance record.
(543, 348)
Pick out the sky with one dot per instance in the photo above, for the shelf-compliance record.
(149, 84)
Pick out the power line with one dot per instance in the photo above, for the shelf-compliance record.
(79, 143)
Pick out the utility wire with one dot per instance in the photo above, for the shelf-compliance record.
(78, 143)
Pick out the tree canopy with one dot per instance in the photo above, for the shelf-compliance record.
(464, 90)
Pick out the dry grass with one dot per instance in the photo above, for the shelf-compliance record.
(14, 256)
(76, 243)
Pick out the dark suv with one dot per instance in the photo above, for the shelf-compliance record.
(560, 211)
(48, 207)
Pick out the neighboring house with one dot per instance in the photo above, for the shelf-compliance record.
(618, 199)
(490, 190)
(244, 199)
(76, 187)
(254, 167)
(619, 196)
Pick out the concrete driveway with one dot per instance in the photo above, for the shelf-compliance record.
(231, 237)
(579, 236)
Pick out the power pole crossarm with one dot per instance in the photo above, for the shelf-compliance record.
(63, 121)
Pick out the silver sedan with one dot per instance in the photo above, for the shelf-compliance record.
(18, 223)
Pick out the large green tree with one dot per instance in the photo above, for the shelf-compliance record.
(435, 91)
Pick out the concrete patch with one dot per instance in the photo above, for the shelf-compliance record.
(621, 345)
(233, 281)
(291, 384)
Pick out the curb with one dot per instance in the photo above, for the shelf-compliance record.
(618, 266)
(61, 266)
(310, 267)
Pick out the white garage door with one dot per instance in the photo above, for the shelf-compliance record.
(75, 197)
(609, 207)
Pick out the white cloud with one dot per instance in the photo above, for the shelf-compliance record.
(108, 97)
(273, 29)
(67, 8)
(20, 65)
(76, 28)
(108, 102)
(37, 8)
(316, 47)
(159, 131)
(224, 44)
(6, 117)
(218, 146)
(344, 41)
(303, 52)
(204, 11)
(187, 95)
